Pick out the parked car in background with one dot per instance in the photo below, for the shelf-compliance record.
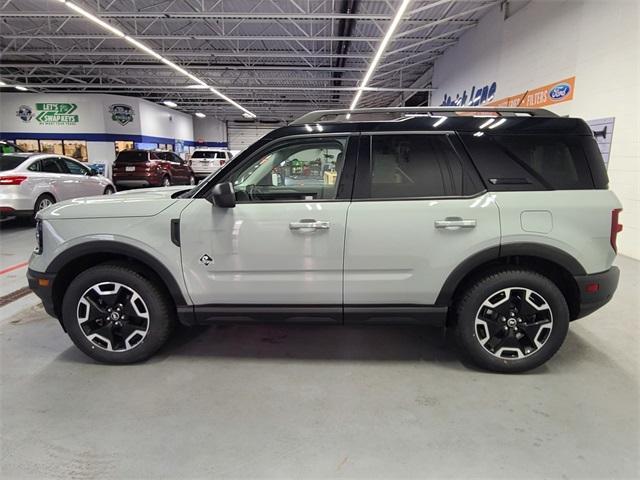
(9, 147)
(151, 168)
(30, 182)
(204, 162)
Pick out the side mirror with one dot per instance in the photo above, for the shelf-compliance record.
(223, 195)
(93, 172)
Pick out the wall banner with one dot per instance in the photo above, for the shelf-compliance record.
(56, 113)
(557, 92)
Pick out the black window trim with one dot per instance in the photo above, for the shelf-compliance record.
(364, 166)
(345, 186)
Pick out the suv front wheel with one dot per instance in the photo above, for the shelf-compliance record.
(512, 320)
(115, 315)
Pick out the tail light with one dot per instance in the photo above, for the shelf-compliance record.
(12, 179)
(616, 227)
(222, 162)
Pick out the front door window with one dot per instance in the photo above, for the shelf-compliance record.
(303, 170)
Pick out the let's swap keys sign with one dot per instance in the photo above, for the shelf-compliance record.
(57, 113)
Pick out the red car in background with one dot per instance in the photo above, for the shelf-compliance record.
(151, 168)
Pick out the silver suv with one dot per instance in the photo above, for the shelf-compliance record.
(496, 222)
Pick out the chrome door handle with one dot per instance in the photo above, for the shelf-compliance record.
(454, 223)
(310, 224)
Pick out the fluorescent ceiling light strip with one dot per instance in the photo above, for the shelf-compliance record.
(149, 51)
(94, 19)
(381, 49)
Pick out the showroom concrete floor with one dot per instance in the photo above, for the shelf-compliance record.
(297, 401)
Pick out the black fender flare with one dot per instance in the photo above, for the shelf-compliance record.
(119, 248)
(534, 250)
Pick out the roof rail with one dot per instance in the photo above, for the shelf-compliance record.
(345, 114)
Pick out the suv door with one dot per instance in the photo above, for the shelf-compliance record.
(282, 244)
(419, 210)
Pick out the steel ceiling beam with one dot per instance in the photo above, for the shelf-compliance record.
(198, 15)
(120, 66)
(182, 54)
(185, 89)
(187, 37)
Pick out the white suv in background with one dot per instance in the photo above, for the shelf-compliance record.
(205, 161)
(30, 182)
(425, 215)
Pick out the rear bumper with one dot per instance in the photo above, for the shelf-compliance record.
(42, 285)
(205, 173)
(9, 212)
(14, 202)
(596, 290)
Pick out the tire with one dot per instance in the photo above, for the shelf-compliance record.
(109, 191)
(166, 181)
(511, 311)
(43, 201)
(145, 321)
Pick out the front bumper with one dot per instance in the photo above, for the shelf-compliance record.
(596, 290)
(42, 285)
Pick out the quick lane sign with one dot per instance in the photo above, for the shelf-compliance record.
(56, 113)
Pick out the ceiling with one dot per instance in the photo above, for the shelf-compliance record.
(277, 58)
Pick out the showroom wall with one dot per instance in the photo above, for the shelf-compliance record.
(210, 131)
(100, 120)
(545, 42)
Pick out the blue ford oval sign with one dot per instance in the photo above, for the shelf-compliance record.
(559, 91)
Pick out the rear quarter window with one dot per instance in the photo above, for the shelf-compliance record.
(532, 162)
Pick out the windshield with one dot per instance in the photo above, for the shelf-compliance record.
(9, 162)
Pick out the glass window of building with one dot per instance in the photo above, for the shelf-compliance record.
(76, 149)
(123, 145)
(51, 146)
(28, 145)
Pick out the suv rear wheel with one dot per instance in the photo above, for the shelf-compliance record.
(512, 320)
(115, 315)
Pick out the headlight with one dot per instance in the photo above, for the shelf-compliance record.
(38, 249)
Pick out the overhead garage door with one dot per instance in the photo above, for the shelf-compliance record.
(241, 135)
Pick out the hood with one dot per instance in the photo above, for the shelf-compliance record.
(158, 192)
(145, 203)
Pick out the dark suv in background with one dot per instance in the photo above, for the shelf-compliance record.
(155, 168)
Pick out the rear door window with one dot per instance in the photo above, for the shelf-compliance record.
(50, 165)
(406, 166)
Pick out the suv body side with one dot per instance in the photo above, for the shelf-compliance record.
(378, 254)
